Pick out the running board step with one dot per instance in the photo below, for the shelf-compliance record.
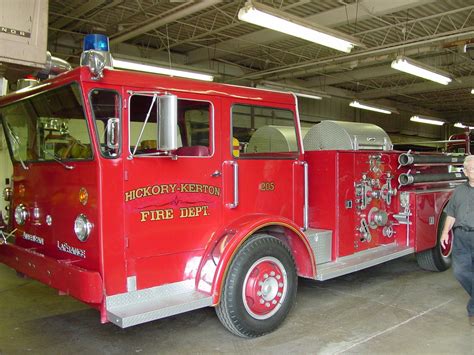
(136, 307)
(362, 260)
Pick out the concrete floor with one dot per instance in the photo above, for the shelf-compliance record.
(392, 308)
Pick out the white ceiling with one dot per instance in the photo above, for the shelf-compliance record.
(208, 36)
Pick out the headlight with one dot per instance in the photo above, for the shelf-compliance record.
(21, 214)
(7, 193)
(82, 227)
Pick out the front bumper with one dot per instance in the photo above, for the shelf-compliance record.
(82, 284)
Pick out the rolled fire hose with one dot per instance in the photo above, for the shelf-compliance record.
(408, 159)
(408, 179)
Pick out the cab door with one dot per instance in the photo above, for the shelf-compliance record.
(173, 200)
(264, 172)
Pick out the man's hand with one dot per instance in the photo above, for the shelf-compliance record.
(444, 239)
(448, 224)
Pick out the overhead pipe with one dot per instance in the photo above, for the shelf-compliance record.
(408, 159)
(408, 179)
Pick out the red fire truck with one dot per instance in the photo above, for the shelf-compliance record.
(146, 196)
(461, 143)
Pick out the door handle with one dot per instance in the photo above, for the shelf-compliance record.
(235, 167)
(216, 173)
(305, 194)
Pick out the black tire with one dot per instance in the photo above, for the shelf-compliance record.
(437, 258)
(264, 269)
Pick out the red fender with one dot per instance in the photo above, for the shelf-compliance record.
(222, 248)
(425, 236)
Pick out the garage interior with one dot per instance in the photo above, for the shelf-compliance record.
(391, 308)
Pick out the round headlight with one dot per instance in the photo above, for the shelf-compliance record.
(82, 227)
(21, 214)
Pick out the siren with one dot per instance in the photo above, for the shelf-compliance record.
(96, 54)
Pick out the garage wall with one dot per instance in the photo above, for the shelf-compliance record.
(312, 111)
(6, 168)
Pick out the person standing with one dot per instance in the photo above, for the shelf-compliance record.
(460, 218)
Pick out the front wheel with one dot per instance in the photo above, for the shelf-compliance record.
(259, 289)
(439, 257)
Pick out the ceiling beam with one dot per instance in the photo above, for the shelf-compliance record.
(463, 117)
(350, 75)
(80, 11)
(359, 11)
(302, 69)
(424, 87)
(360, 70)
(161, 21)
(294, 85)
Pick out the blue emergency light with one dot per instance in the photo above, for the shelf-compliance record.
(96, 54)
(96, 42)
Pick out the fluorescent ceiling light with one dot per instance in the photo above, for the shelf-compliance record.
(460, 125)
(413, 67)
(314, 97)
(266, 16)
(428, 120)
(370, 107)
(124, 64)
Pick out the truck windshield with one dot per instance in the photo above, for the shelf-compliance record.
(48, 126)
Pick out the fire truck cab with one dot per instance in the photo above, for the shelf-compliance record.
(146, 196)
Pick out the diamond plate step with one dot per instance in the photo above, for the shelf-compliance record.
(136, 307)
(362, 260)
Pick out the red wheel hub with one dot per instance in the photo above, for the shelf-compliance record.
(264, 288)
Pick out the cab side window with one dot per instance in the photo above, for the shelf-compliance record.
(259, 131)
(194, 119)
(106, 110)
(194, 126)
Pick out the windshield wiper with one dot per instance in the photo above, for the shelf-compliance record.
(57, 159)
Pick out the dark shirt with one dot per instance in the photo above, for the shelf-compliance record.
(461, 206)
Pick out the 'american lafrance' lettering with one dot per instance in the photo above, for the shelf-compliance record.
(65, 247)
(33, 238)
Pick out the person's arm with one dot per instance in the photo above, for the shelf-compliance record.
(448, 224)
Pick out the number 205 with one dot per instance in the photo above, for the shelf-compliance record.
(267, 186)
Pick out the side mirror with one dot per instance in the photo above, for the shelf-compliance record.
(167, 122)
(113, 134)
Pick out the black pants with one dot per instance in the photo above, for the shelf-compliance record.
(463, 263)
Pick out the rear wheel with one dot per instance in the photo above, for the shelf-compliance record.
(260, 287)
(439, 257)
